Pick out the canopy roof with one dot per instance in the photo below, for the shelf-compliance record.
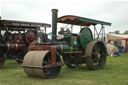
(116, 37)
(76, 20)
(22, 24)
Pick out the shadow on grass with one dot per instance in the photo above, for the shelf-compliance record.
(38, 78)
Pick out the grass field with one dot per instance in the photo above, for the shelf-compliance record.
(114, 73)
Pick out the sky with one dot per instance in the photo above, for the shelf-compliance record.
(113, 11)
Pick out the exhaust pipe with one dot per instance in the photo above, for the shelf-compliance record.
(54, 23)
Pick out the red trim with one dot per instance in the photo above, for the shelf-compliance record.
(46, 47)
(2, 61)
(74, 52)
(109, 41)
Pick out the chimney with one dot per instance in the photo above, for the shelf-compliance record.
(54, 24)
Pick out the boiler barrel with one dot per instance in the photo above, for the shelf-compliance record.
(15, 47)
(11, 47)
(65, 48)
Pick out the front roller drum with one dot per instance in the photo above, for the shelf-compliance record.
(2, 60)
(38, 64)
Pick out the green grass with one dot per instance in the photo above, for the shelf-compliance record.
(114, 73)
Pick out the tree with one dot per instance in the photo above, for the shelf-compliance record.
(126, 32)
(117, 32)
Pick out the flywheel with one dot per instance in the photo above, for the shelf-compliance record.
(85, 37)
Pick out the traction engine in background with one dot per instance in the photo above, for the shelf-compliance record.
(16, 37)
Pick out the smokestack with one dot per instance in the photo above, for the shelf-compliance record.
(54, 23)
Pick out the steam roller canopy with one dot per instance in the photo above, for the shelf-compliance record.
(85, 37)
(35, 60)
(2, 60)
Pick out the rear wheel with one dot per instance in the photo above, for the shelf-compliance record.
(96, 52)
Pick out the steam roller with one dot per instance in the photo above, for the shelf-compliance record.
(43, 59)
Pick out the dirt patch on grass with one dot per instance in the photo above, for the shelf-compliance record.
(85, 81)
(104, 84)
(81, 81)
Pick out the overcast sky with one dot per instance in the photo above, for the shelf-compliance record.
(115, 12)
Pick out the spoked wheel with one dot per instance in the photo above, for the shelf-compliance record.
(53, 71)
(2, 60)
(69, 62)
(35, 61)
(96, 52)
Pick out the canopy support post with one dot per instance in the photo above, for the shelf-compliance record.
(96, 32)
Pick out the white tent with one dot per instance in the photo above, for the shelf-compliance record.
(119, 40)
(116, 36)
